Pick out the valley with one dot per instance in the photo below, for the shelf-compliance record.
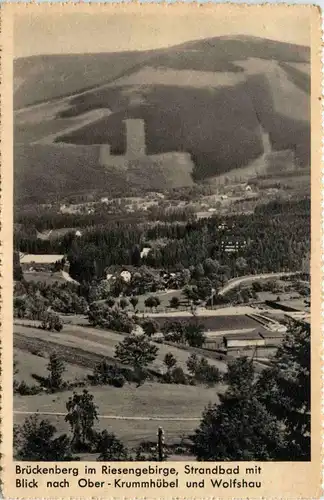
(161, 249)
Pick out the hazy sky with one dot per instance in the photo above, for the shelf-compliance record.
(118, 28)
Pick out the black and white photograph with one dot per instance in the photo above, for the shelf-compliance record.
(161, 236)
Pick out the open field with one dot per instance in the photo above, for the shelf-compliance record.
(155, 400)
(192, 78)
(29, 364)
(91, 345)
(164, 298)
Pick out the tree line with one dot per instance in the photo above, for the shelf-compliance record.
(275, 238)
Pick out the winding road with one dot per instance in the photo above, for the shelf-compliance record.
(233, 283)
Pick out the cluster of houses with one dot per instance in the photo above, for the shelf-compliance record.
(147, 281)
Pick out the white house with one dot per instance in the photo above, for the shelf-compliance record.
(145, 252)
(126, 276)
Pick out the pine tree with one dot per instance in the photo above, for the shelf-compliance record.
(56, 369)
(285, 390)
(169, 360)
(138, 352)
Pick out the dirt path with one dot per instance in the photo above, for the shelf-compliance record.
(113, 417)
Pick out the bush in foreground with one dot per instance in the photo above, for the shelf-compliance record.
(35, 441)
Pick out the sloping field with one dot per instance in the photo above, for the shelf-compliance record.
(181, 77)
(165, 171)
(51, 171)
(29, 364)
(87, 118)
(151, 399)
(304, 67)
(299, 74)
(26, 133)
(91, 341)
(47, 77)
(288, 98)
(285, 132)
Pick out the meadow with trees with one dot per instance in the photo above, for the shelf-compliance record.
(260, 416)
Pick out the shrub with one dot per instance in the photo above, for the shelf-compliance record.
(202, 371)
(175, 376)
(35, 441)
(174, 302)
(114, 319)
(39, 352)
(110, 448)
(150, 327)
(108, 374)
(192, 363)
(26, 390)
(178, 376)
(118, 381)
(52, 322)
(140, 375)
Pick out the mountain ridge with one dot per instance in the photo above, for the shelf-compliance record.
(299, 53)
(207, 101)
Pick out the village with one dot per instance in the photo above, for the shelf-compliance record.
(281, 297)
(161, 305)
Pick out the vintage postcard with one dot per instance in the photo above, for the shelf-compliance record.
(160, 251)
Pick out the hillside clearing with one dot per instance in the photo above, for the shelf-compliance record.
(29, 364)
(169, 76)
(94, 344)
(151, 399)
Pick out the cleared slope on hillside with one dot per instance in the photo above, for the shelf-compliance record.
(47, 77)
(197, 98)
(103, 343)
(219, 127)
